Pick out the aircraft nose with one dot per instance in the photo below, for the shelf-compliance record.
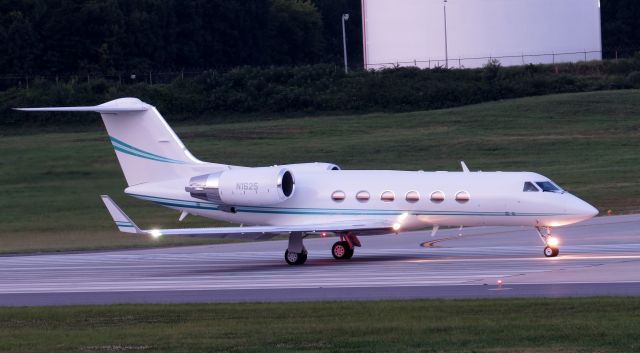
(585, 209)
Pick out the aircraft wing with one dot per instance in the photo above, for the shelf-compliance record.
(366, 227)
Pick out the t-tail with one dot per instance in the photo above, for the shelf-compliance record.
(147, 148)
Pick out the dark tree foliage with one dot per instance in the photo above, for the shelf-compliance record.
(620, 27)
(294, 32)
(312, 89)
(75, 36)
(332, 11)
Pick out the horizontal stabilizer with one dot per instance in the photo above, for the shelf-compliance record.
(125, 224)
(123, 105)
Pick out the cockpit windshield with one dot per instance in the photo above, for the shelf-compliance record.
(548, 186)
(529, 187)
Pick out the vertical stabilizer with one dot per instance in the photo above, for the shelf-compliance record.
(147, 148)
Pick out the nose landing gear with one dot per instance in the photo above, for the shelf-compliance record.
(551, 252)
(551, 248)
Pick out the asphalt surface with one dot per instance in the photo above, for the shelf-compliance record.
(600, 257)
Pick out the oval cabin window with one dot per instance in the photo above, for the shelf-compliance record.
(388, 196)
(338, 196)
(412, 196)
(437, 196)
(462, 197)
(363, 196)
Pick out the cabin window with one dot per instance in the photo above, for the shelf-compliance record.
(547, 186)
(437, 196)
(363, 196)
(338, 196)
(412, 196)
(388, 196)
(462, 197)
(529, 187)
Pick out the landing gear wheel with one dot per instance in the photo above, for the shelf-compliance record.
(551, 252)
(341, 251)
(349, 254)
(294, 258)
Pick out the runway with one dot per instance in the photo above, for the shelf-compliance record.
(597, 257)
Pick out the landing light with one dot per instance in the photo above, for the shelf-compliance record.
(552, 242)
(156, 234)
(396, 226)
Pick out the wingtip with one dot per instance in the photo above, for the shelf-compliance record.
(122, 221)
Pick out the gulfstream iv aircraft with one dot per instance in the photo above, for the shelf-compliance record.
(320, 198)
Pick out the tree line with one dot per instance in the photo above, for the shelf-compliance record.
(620, 27)
(62, 36)
(249, 92)
(76, 36)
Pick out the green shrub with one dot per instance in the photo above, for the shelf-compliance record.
(320, 89)
(633, 79)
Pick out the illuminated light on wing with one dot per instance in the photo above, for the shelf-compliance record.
(155, 233)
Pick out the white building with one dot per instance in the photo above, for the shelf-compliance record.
(515, 32)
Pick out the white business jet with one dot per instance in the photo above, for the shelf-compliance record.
(317, 198)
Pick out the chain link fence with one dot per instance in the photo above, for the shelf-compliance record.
(163, 77)
(506, 60)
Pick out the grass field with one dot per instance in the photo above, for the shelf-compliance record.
(523, 325)
(589, 143)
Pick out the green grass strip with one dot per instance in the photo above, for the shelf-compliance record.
(515, 325)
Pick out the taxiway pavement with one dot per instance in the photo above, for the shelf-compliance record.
(597, 257)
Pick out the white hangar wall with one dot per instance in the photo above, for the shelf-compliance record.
(515, 32)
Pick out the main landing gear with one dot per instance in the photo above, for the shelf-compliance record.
(295, 258)
(551, 248)
(343, 249)
(296, 253)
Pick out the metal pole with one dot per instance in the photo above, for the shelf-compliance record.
(345, 17)
(446, 44)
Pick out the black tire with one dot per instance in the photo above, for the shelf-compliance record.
(302, 258)
(341, 250)
(349, 254)
(293, 258)
(551, 252)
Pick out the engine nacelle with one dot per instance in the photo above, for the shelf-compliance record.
(315, 166)
(244, 186)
